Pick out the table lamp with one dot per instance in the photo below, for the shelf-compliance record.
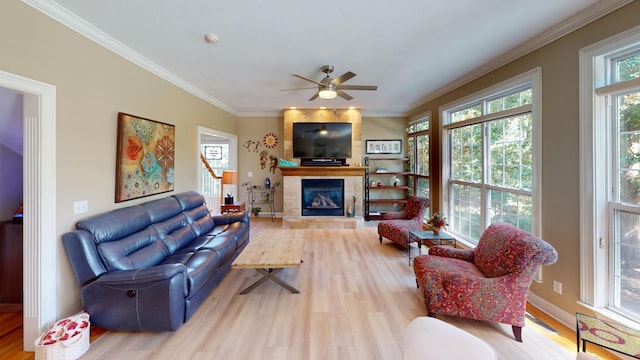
(229, 177)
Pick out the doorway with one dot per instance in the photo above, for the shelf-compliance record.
(223, 156)
(39, 183)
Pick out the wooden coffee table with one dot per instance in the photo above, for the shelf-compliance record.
(269, 252)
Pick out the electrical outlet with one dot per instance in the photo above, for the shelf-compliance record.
(80, 207)
(557, 287)
(250, 174)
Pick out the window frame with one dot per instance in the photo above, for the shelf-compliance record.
(596, 85)
(532, 78)
(423, 118)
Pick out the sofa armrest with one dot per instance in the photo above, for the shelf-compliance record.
(445, 251)
(151, 299)
(230, 218)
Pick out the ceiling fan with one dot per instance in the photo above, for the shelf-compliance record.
(329, 88)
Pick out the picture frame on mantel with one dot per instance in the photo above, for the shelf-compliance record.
(145, 157)
(383, 146)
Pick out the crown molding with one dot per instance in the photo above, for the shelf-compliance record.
(573, 23)
(72, 21)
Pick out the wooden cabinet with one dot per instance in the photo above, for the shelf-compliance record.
(10, 267)
(387, 186)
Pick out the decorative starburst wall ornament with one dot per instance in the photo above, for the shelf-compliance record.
(270, 140)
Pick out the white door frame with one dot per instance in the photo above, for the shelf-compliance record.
(40, 245)
(233, 152)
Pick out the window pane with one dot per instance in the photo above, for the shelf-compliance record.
(423, 187)
(511, 152)
(466, 218)
(509, 101)
(411, 152)
(629, 143)
(422, 142)
(628, 68)
(627, 262)
(466, 153)
(421, 126)
(515, 209)
(468, 113)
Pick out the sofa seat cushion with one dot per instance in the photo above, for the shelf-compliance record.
(201, 266)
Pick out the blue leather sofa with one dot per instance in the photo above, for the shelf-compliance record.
(149, 267)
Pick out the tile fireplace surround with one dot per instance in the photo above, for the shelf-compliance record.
(292, 192)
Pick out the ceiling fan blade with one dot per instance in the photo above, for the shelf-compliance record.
(342, 78)
(315, 96)
(344, 95)
(305, 88)
(304, 78)
(358, 87)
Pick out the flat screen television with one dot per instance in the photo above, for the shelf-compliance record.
(322, 140)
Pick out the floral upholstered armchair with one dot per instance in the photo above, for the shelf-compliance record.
(395, 226)
(490, 282)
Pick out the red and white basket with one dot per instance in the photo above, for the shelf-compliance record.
(66, 339)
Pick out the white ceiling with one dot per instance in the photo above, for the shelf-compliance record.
(413, 50)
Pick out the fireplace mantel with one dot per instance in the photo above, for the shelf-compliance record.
(322, 170)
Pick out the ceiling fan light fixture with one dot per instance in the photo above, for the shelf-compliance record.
(328, 92)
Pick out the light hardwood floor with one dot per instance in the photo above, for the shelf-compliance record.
(357, 296)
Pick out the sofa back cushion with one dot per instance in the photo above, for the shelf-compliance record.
(141, 236)
(416, 206)
(505, 249)
(124, 238)
(196, 212)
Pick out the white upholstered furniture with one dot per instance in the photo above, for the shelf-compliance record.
(434, 339)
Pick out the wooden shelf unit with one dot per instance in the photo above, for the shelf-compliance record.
(387, 193)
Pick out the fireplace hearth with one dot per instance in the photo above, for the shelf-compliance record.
(322, 197)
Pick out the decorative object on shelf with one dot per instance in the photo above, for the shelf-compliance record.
(373, 184)
(256, 211)
(145, 157)
(437, 222)
(384, 146)
(270, 140)
(267, 183)
(287, 163)
(394, 181)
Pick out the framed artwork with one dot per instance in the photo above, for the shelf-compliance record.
(384, 146)
(213, 152)
(145, 157)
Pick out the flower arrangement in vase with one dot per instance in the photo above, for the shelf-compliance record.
(437, 222)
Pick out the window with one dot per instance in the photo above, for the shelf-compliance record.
(418, 153)
(610, 189)
(489, 158)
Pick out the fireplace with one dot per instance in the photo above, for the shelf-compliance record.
(322, 197)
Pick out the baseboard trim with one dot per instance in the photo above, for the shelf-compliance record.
(565, 318)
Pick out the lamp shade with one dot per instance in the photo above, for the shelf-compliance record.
(229, 177)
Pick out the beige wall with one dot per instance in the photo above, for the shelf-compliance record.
(560, 143)
(92, 86)
(253, 129)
